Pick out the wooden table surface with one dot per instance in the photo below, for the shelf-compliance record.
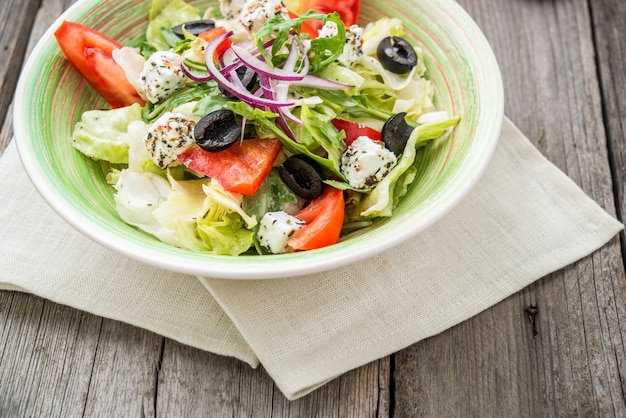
(564, 68)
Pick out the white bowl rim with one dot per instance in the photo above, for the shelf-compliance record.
(280, 266)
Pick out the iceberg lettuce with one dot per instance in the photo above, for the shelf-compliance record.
(205, 218)
(103, 134)
(138, 195)
(164, 14)
(383, 198)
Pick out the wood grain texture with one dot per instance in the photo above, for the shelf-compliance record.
(18, 18)
(492, 365)
(564, 74)
(609, 23)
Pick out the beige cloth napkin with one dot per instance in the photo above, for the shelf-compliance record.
(523, 220)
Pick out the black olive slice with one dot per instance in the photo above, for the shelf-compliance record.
(248, 78)
(301, 176)
(217, 130)
(396, 133)
(396, 55)
(195, 27)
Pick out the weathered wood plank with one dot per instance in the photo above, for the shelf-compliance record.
(193, 382)
(491, 365)
(17, 18)
(609, 23)
(46, 354)
(124, 372)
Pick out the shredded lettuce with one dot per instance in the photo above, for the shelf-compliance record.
(273, 196)
(138, 195)
(206, 218)
(103, 134)
(382, 199)
(267, 121)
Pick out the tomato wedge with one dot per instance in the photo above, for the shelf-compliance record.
(354, 130)
(90, 52)
(348, 10)
(324, 218)
(214, 33)
(240, 168)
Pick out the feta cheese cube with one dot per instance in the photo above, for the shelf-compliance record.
(275, 230)
(170, 135)
(162, 75)
(365, 162)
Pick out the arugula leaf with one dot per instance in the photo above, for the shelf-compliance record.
(323, 51)
(278, 28)
(192, 92)
(357, 106)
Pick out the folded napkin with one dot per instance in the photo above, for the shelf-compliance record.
(522, 221)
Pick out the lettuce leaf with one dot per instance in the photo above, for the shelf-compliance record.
(205, 218)
(383, 198)
(266, 121)
(273, 196)
(103, 134)
(322, 52)
(138, 195)
(164, 14)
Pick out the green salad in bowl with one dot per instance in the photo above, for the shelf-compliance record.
(257, 139)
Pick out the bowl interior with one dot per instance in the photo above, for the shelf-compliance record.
(51, 97)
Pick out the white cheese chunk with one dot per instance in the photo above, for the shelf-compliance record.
(170, 135)
(231, 9)
(275, 230)
(162, 75)
(365, 162)
(353, 47)
(256, 12)
(329, 30)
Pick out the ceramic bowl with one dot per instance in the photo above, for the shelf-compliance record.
(461, 65)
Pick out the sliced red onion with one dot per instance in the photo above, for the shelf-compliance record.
(275, 82)
(263, 68)
(195, 77)
(227, 85)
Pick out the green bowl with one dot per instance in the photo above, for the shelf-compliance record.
(51, 97)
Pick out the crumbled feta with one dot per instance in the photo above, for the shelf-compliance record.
(161, 76)
(329, 30)
(231, 9)
(365, 162)
(256, 12)
(170, 135)
(353, 47)
(275, 230)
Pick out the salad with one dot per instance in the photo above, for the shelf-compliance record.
(252, 127)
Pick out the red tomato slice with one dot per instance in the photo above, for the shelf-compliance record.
(214, 33)
(90, 52)
(354, 130)
(240, 168)
(348, 10)
(324, 218)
